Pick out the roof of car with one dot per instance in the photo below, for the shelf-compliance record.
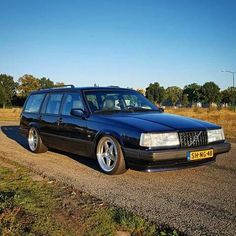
(66, 89)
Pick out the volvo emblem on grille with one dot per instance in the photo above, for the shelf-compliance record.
(195, 138)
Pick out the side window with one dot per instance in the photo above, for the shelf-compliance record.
(92, 101)
(111, 102)
(54, 103)
(131, 100)
(72, 101)
(34, 103)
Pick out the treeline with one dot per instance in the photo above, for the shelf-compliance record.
(14, 93)
(192, 94)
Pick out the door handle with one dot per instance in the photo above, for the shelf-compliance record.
(59, 121)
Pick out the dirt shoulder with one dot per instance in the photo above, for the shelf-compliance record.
(198, 201)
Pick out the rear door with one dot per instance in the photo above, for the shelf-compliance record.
(50, 121)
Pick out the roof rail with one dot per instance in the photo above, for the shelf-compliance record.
(60, 86)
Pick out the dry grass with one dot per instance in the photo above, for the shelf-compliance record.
(223, 117)
(10, 114)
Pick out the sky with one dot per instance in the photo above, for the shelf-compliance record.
(128, 43)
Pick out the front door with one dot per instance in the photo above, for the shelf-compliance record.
(74, 129)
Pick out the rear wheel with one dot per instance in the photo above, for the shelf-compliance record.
(35, 142)
(110, 156)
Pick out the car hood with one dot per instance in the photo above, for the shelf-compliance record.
(155, 121)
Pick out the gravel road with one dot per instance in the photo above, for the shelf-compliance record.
(197, 201)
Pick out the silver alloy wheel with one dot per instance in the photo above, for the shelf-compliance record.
(107, 154)
(33, 139)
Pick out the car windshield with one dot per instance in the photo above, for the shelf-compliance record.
(118, 100)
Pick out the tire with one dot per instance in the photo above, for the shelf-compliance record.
(35, 142)
(110, 156)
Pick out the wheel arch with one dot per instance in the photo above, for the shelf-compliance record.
(35, 125)
(113, 134)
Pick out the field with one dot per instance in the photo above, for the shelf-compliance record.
(10, 114)
(224, 117)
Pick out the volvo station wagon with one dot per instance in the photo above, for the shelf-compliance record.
(118, 127)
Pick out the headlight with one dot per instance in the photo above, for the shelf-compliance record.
(215, 135)
(159, 139)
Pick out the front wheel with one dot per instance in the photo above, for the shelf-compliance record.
(35, 142)
(110, 156)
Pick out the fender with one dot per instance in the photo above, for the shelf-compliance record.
(35, 125)
(111, 133)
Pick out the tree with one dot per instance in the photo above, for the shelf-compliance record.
(8, 89)
(228, 96)
(155, 93)
(232, 93)
(210, 93)
(184, 100)
(225, 96)
(45, 83)
(27, 84)
(142, 91)
(173, 94)
(193, 91)
(2, 96)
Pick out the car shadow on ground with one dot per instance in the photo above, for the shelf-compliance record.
(13, 133)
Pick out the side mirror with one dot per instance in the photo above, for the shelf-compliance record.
(78, 113)
(161, 109)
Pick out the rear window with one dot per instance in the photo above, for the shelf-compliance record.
(34, 103)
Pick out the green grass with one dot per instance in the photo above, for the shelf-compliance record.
(107, 221)
(26, 206)
(29, 207)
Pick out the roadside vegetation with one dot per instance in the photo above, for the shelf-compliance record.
(33, 205)
(207, 95)
(223, 117)
(10, 114)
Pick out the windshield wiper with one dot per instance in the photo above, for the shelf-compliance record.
(134, 109)
(107, 111)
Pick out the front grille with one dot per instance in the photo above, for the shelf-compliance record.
(193, 138)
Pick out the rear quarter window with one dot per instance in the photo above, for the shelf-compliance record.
(34, 103)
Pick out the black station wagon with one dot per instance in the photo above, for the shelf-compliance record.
(119, 127)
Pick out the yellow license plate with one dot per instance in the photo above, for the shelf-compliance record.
(199, 155)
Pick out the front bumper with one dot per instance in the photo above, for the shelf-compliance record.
(149, 160)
